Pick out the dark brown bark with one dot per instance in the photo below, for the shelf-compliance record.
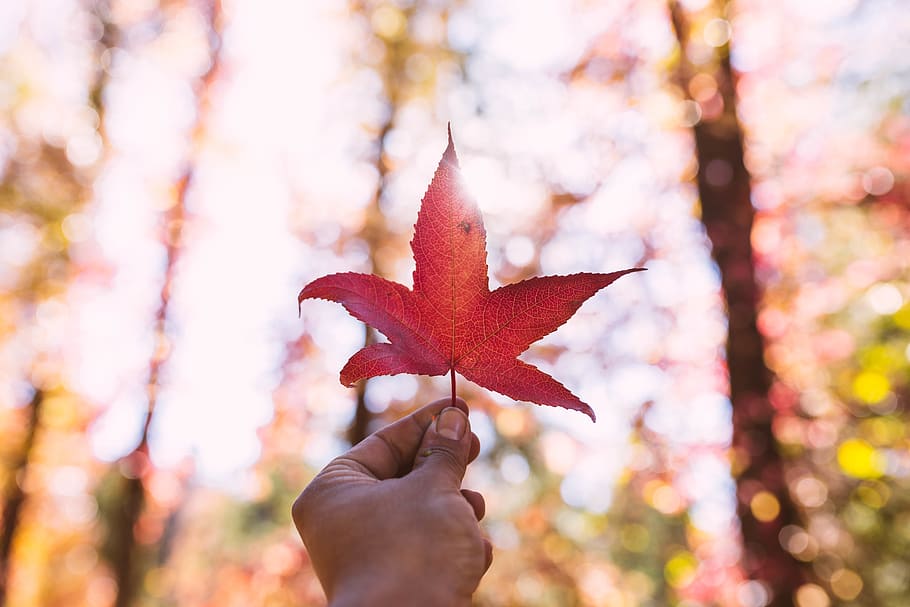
(125, 549)
(727, 215)
(14, 496)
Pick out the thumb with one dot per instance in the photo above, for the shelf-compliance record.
(445, 448)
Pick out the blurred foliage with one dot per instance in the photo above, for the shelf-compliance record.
(575, 134)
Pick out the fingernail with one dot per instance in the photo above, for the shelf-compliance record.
(451, 423)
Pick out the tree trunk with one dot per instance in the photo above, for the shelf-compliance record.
(727, 215)
(14, 497)
(124, 545)
(375, 231)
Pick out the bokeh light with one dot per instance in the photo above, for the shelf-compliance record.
(171, 173)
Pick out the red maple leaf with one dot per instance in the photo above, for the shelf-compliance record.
(451, 321)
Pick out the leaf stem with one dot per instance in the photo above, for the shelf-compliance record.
(452, 373)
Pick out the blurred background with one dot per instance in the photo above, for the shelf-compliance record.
(172, 172)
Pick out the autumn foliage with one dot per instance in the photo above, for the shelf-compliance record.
(171, 173)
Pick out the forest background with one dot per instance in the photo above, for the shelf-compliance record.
(172, 172)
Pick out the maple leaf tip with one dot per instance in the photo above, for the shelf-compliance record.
(449, 155)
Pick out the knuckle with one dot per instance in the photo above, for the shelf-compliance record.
(301, 506)
(446, 457)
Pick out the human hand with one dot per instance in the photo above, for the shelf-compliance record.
(387, 522)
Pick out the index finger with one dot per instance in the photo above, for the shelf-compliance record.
(390, 452)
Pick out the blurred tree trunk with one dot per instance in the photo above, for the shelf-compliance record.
(14, 495)
(123, 543)
(400, 85)
(46, 209)
(375, 231)
(727, 215)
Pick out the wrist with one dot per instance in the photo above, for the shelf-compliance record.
(388, 592)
